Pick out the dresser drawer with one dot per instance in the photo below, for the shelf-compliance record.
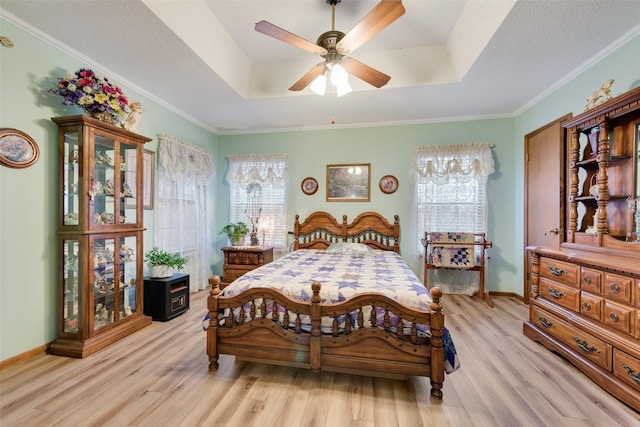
(627, 368)
(579, 341)
(230, 274)
(559, 271)
(565, 296)
(591, 306)
(591, 280)
(618, 288)
(638, 293)
(619, 317)
(243, 258)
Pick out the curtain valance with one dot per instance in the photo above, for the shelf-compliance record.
(263, 168)
(467, 161)
(181, 160)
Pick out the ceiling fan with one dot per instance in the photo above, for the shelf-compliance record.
(334, 46)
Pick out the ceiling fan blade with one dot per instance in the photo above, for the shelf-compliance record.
(380, 17)
(365, 73)
(271, 30)
(309, 77)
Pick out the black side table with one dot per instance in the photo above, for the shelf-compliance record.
(166, 298)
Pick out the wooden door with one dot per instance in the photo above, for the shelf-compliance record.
(545, 194)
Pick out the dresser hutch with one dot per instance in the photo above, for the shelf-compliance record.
(585, 297)
(100, 277)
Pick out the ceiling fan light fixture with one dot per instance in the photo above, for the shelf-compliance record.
(343, 88)
(319, 85)
(338, 74)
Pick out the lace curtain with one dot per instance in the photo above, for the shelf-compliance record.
(451, 196)
(268, 173)
(182, 219)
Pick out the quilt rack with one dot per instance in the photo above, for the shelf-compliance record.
(459, 251)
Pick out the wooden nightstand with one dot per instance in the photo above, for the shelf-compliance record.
(238, 260)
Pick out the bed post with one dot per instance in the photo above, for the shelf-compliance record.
(396, 234)
(212, 330)
(315, 345)
(437, 349)
(296, 233)
(345, 232)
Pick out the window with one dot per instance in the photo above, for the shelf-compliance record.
(451, 195)
(258, 196)
(182, 220)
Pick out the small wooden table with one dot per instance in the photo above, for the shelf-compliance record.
(238, 260)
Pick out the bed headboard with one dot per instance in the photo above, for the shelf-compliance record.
(321, 229)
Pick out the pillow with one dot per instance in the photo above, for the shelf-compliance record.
(349, 249)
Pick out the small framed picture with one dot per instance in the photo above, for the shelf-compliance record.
(388, 184)
(17, 149)
(309, 186)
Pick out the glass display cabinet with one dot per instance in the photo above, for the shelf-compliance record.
(99, 235)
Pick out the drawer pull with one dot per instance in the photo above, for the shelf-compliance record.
(587, 280)
(615, 288)
(556, 293)
(544, 322)
(614, 317)
(556, 271)
(584, 345)
(586, 306)
(634, 376)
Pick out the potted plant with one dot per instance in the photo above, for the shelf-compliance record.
(163, 263)
(236, 232)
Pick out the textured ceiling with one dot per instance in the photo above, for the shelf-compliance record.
(448, 59)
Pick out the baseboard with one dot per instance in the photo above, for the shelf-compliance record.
(506, 294)
(29, 354)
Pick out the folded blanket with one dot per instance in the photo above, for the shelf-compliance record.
(452, 250)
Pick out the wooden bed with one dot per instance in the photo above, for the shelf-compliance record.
(367, 349)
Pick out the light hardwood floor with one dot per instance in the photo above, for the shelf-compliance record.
(159, 377)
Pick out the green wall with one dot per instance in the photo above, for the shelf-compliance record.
(390, 150)
(28, 202)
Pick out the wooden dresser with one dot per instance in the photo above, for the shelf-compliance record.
(586, 307)
(238, 260)
(585, 297)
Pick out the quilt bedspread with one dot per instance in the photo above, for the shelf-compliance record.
(343, 276)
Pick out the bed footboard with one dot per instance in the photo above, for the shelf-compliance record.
(369, 333)
(264, 324)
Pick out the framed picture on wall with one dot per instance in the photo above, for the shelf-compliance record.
(17, 149)
(309, 186)
(349, 182)
(388, 184)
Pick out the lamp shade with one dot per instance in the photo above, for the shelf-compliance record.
(319, 85)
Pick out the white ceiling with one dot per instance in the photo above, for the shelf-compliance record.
(448, 59)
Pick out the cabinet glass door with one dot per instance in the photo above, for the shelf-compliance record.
(70, 286)
(128, 183)
(127, 273)
(104, 286)
(103, 181)
(71, 179)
